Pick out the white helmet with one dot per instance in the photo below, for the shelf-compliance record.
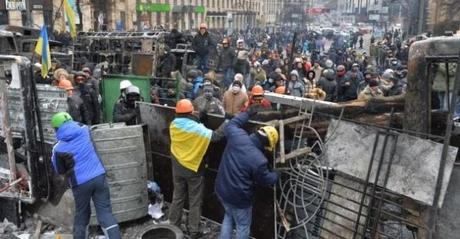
(125, 84)
(133, 90)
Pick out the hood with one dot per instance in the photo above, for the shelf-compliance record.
(295, 73)
(69, 131)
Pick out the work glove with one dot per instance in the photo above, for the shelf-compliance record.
(252, 110)
(203, 115)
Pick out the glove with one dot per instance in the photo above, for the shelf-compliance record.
(203, 115)
(252, 110)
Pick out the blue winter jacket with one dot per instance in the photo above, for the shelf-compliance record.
(74, 154)
(243, 165)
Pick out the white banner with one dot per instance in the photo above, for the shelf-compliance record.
(19, 5)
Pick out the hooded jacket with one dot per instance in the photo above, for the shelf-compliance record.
(74, 154)
(243, 165)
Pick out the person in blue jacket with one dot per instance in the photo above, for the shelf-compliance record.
(74, 155)
(243, 166)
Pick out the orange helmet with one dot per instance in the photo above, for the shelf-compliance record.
(65, 84)
(257, 90)
(184, 106)
(280, 90)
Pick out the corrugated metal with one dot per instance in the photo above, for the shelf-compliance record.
(50, 100)
(122, 151)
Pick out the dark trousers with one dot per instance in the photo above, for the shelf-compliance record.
(191, 186)
(97, 190)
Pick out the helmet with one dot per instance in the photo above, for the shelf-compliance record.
(240, 41)
(355, 65)
(329, 63)
(257, 90)
(328, 74)
(387, 75)
(192, 74)
(184, 106)
(203, 25)
(125, 84)
(59, 119)
(256, 64)
(65, 84)
(280, 90)
(272, 134)
(265, 62)
(238, 77)
(133, 90)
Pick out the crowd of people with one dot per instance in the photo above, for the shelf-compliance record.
(325, 67)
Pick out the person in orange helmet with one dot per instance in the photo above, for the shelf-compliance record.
(77, 108)
(257, 99)
(203, 45)
(190, 140)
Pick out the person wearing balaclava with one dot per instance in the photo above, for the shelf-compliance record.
(234, 98)
(125, 109)
(372, 90)
(207, 102)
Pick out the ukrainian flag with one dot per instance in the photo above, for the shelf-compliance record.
(43, 49)
(189, 142)
(69, 7)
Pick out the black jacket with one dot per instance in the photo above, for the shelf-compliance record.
(123, 113)
(227, 59)
(330, 87)
(167, 65)
(91, 101)
(77, 109)
(202, 44)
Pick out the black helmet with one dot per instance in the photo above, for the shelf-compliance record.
(328, 74)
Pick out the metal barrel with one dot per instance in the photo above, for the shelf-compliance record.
(122, 151)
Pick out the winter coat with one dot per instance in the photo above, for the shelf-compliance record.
(167, 65)
(202, 44)
(77, 109)
(346, 88)
(258, 76)
(243, 165)
(234, 102)
(74, 154)
(91, 101)
(330, 87)
(123, 113)
(296, 88)
(227, 59)
(370, 92)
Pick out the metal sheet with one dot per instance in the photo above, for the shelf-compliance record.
(415, 167)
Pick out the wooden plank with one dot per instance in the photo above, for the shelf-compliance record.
(295, 153)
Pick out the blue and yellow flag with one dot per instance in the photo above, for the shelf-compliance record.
(70, 15)
(43, 49)
(189, 142)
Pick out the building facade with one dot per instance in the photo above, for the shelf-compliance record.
(33, 13)
(133, 15)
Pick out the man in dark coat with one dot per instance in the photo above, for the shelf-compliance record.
(89, 96)
(125, 109)
(167, 63)
(243, 165)
(202, 44)
(226, 63)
